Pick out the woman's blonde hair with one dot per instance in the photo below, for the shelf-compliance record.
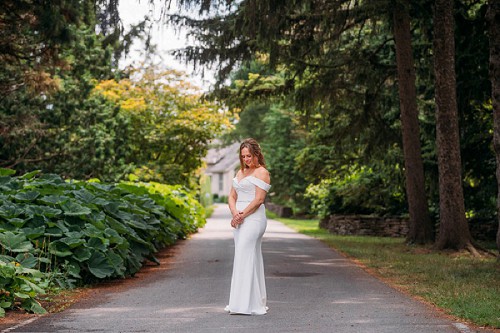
(253, 146)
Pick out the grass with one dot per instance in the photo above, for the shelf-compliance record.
(461, 285)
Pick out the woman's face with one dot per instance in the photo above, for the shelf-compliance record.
(247, 157)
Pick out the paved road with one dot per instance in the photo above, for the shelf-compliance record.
(310, 289)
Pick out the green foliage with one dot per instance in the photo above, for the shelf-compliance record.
(253, 113)
(170, 125)
(19, 285)
(206, 198)
(32, 35)
(341, 81)
(68, 132)
(180, 204)
(80, 232)
(282, 144)
(357, 191)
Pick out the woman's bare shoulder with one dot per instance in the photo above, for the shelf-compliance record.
(263, 174)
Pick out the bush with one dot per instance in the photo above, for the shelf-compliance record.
(81, 232)
(358, 191)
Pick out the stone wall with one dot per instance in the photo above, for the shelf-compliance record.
(281, 211)
(482, 229)
(365, 225)
(395, 226)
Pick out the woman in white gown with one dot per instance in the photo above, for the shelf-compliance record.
(250, 186)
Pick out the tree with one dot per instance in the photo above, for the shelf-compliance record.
(453, 228)
(420, 227)
(52, 53)
(69, 131)
(34, 33)
(337, 60)
(494, 31)
(171, 126)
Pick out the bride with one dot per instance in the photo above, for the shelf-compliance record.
(250, 186)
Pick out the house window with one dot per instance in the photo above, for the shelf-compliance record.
(221, 182)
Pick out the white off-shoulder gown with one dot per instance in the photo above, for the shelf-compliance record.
(248, 286)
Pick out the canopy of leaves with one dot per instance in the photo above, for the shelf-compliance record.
(333, 63)
(170, 125)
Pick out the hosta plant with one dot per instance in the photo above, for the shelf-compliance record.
(80, 232)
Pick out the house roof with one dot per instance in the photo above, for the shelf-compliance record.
(222, 159)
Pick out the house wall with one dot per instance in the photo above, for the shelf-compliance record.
(227, 180)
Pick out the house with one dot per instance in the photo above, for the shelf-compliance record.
(222, 165)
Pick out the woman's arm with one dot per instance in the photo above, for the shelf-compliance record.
(231, 200)
(233, 197)
(260, 194)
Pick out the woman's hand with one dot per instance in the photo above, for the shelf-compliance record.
(237, 219)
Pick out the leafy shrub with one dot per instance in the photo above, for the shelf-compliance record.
(178, 202)
(206, 198)
(358, 191)
(81, 232)
(19, 285)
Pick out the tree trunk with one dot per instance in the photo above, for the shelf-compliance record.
(493, 17)
(420, 226)
(453, 228)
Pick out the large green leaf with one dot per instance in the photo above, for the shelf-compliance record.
(35, 273)
(138, 224)
(15, 242)
(134, 263)
(72, 208)
(74, 234)
(6, 259)
(54, 199)
(72, 242)
(33, 233)
(27, 196)
(84, 195)
(114, 208)
(102, 187)
(82, 254)
(30, 286)
(33, 306)
(51, 179)
(61, 225)
(73, 269)
(96, 217)
(92, 231)
(9, 210)
(60, 249)
(6, 172)
(8, 184)
(36, 210)
(139, 190)
(99, 265)
(53, 232)
(27, 260)
(117, 262)
(113, 236)
(30, 175)
(17, 222)
(7, 270)
(118, 225)
(96, 244)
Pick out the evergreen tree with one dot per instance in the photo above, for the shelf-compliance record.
(453, 229)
